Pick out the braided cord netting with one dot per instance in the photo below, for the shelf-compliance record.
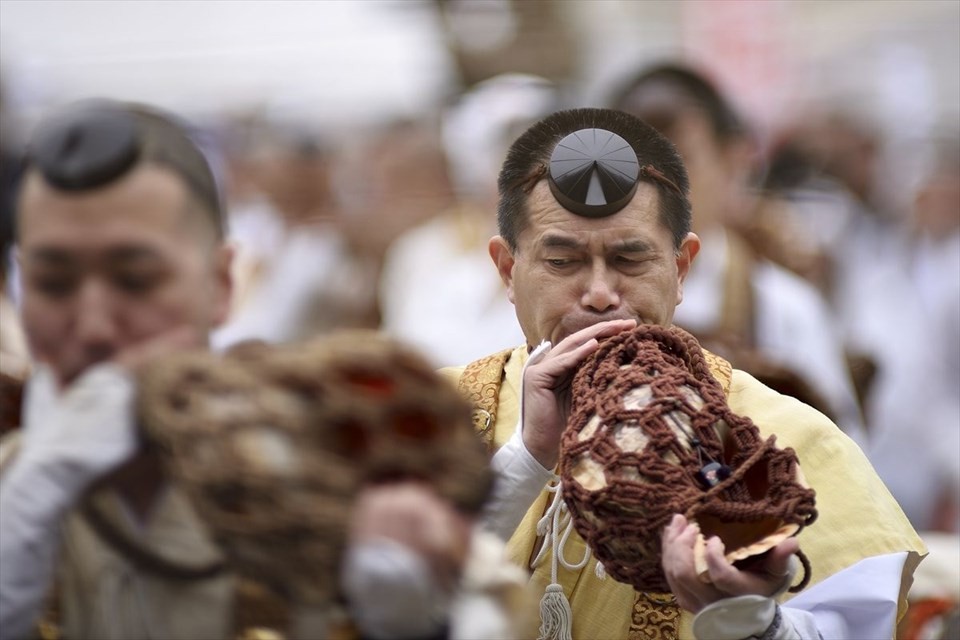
(638, 406)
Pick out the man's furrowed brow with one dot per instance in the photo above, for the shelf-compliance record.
(633, 245)
(60, 257)
(132, 253)
(51, 257)
(557, 241)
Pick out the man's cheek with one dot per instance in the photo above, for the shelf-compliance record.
(45, 342)
(40, 323)
(162, 315)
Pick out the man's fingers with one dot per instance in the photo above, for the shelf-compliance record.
(766, 581)
(613, 327)
(729, 579)
(573, 349)
(777, 562)
(546, 382)
(673, 528)
(412, 514)
(722, 574)
(677, 544)
(600, 330)
(564, 361)
(678, 541)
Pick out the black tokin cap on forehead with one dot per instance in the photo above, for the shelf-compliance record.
(593, 173)
(87, 147)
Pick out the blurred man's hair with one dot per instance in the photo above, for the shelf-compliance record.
(535, 146)
(162, 139)
(659, 94)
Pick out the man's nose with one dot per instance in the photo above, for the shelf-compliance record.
(96, 322)
(601, 293)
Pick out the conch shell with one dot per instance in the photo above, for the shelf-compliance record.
(273, 443)
(650, 435)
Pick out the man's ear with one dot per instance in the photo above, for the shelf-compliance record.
(223, 283)
(503, 258)
(688, 251)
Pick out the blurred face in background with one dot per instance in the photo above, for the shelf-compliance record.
(392, 182)
(107, 269)
(569, 272)
(719, 167)
(295, 178)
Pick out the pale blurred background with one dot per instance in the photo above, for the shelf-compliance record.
(334, 67)
(348, 62)
(352, 63)
(358, 144)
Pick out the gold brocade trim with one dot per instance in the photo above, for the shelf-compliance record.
(656, 616)
(48, 630)
(258, 612)
(719, 369)
(260, 633)
(337, 632)
(480, 384)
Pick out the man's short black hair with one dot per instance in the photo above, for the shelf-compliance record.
(532, 151)
(92, 143)
(680, 87)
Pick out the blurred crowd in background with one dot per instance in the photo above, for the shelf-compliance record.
(358, 145)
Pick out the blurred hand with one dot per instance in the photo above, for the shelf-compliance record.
(178, 338)
(726, 581)
(413, 515)
(546, 388)
(84, 431)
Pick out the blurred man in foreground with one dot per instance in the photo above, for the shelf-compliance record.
(123, 260)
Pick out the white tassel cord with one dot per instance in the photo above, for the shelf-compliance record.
(556, 617)
(600, 571)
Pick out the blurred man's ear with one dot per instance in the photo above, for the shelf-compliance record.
(503, 258)
(223, 283)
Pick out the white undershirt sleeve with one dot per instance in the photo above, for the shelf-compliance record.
(519, 480)
(859, 602)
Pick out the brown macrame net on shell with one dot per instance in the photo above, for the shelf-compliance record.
(272, 444)
(627, 460)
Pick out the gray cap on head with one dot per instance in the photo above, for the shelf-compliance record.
(91, 144)
(593, 173)
(87, 147)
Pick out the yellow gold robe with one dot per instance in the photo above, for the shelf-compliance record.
(858, 518)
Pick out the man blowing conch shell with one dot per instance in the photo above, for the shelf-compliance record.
(594, 238)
